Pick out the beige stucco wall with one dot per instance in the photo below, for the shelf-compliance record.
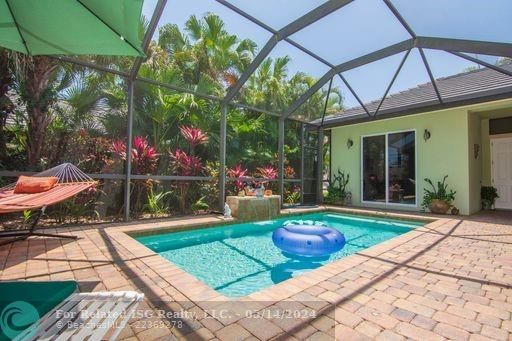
(445, 153)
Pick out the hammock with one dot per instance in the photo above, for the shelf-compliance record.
(71, 181)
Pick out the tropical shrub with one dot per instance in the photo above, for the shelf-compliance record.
(292, 196)
(82, 205)
(187, 164)
(183, 164)
(237, 172)
(209, 190)
(194, 137)
(200, 205)
(144, 156)
(267, 172)
(289, 172)
(90, 153)
(144, 161)
(155, 203)
(337, 190)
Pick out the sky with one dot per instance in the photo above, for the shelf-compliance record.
(360, 28)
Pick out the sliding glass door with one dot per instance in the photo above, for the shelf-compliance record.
(389, 168)
(374, 168)
(402, 168)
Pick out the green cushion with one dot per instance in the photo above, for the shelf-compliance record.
(40, 298)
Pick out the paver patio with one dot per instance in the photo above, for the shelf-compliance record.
(450, 279)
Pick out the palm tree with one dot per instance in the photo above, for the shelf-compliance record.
(206, 49)
(268, 87)
(35, 81)
(80, 107)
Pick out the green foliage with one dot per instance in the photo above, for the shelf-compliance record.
(15, 134)
(209, 190)
(155, 203)
(200, 205)
(439, 191)
(83, 206)
(292, 197)
(74, 209)
(26, 215)
(488, 194)
(81, 113)
(337, 190)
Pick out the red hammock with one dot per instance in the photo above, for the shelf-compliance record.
(10, 202)
(71, 182)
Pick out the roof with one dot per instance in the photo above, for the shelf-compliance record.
(473, 86)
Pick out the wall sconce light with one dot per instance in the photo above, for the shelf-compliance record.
(350, 143)
(426, 135)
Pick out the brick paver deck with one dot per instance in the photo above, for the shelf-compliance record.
(450, 279)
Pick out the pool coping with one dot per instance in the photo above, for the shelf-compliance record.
(197, 291)
(230, 221)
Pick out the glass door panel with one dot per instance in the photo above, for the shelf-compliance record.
(374, 168)
(402, 168)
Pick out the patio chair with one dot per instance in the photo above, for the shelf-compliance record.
(58, 312)
(70, 182)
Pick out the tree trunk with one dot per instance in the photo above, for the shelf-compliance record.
(5, 102)
(38, 95)
(38, 121)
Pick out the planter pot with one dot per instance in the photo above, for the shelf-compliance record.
(339, 202)
(438, 206)
(348, 199)
(487, 205)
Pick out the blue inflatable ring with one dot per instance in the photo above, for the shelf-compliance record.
(308, 239)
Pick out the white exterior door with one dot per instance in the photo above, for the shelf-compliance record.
(502, 171)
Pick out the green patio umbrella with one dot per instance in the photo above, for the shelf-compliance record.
(71, 27)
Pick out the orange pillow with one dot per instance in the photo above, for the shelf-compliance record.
(34, 184)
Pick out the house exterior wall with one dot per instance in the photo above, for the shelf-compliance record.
(486, 140)
(474, 161)
(486, 152)
(445, 153)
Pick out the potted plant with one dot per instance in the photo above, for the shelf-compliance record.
(440, 198)
(488, 195)
(200, 207)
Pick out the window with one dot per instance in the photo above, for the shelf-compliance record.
(389, 168)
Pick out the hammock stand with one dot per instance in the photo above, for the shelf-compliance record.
(71, 181)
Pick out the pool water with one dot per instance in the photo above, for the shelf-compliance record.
(239, 259)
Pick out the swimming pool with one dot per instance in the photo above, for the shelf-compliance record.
(239, 259)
